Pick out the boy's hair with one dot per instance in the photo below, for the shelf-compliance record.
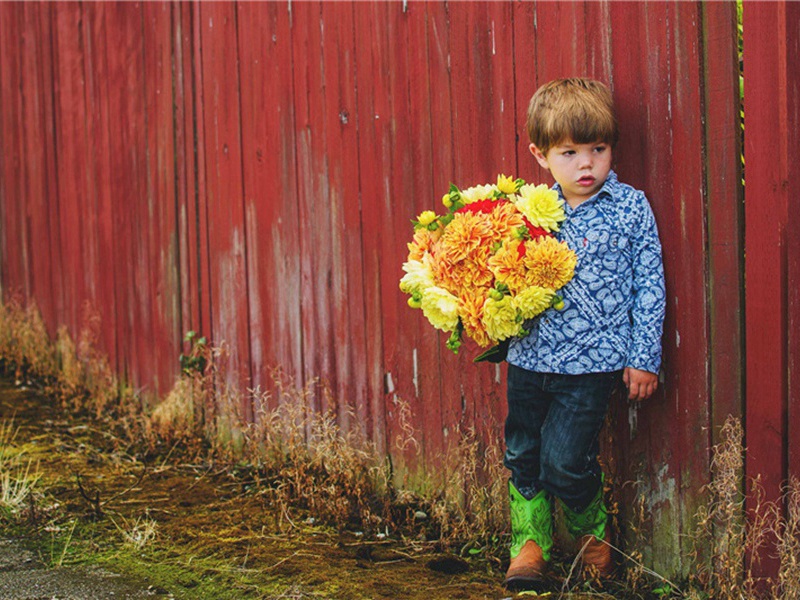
(576, 109)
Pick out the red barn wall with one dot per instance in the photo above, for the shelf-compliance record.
(249, 170)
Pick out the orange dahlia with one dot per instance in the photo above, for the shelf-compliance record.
(470, 309)
(508, 267)
(422, 242)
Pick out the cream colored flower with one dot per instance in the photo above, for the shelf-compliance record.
(440, 307)
(478, 192)
(533, 301)
(419, 275)
(541, 205)
(500, 318)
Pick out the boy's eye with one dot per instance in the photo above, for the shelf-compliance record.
(569, 152)
(600, 149)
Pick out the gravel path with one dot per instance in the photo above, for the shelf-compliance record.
(24, 577)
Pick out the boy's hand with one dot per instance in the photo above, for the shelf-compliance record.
(640, 384)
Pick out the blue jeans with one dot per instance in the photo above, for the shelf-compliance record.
(552, 432)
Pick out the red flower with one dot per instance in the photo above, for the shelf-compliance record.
(482, 206)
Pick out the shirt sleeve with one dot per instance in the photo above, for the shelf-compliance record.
(649, 303)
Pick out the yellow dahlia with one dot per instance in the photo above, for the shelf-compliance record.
(500, 318)
(440, 307)
(532, 301)
(507, 185)
(426, 217)
(550, 263)
(541, 206)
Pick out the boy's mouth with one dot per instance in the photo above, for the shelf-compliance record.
(586, 180)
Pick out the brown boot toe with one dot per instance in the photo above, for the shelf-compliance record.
(527, 570)
(597, 556)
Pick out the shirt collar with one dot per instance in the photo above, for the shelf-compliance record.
(608, 189)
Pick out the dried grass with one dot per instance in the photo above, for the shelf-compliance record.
(309, 461)
(176, 417)
(786, 530)
(138, 533)
(471, 504)
(738, 537)
(18, 477)
(24, 341)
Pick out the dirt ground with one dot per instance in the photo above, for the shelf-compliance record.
(215, 536)
(193, 530)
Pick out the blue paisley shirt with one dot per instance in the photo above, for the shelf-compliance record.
(613, 313)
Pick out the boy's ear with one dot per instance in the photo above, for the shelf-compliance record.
(540, 158)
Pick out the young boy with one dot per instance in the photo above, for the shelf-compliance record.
(561, 376)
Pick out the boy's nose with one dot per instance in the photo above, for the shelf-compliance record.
(586, 160)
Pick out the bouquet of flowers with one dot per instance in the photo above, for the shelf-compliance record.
(490, 263)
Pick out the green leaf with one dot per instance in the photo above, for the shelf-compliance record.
(663, 590)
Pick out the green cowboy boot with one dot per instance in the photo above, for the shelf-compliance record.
(531, 538)
(591, 527)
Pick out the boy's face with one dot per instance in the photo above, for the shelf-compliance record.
(580, 169)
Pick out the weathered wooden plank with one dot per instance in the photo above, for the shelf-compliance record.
(766, 206)
(35, 226)
(429, 103)
(270, 185)
(561, 31)
(224, 193)
(793, 242)
(688, 279)
(526, 83)
(373, 114)
(71, 152)
(723, 175)
(473, 155)
(186, 170)
(161, 218)
(50, 173)
(101, 203)
(128, 146)
(200, 239)
(399, 341)
(597, 40)
(15, 248)
(313, 194)
(341, 141)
